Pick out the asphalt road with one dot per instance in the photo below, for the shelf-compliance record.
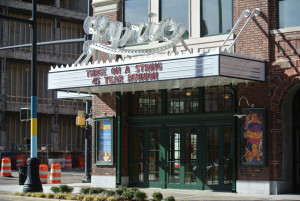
(67, 177)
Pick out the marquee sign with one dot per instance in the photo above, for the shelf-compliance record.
(117, 36)
(152, 73)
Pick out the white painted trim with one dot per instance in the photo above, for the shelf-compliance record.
(154, 8)
(194, 19)
(285, 30)
(263, 187)
(103, 181)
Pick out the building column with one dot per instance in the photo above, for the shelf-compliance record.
(3, 125)
(55, 133)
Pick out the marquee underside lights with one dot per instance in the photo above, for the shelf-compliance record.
(117, 36)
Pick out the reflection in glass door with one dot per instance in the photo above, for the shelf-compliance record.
(138, 178)
(217, 157)
(145, 157)
(190, 156)
(182, 158)
(174, 162)
(153, 150)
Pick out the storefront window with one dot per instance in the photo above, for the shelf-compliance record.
(216, 17)
(136, 11)
(218, 99)
(288, 13)
(149, 103)
(170, 8)
(182, 101)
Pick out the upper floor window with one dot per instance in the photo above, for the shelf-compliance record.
(289, 14)
(147, 103)
(183, 101)
(76, 5)
(178, 10)
(20, 33)
(216, 17)
(136, 11)
(218, 99)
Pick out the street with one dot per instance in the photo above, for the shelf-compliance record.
(67, 177)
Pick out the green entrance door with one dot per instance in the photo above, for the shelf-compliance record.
(145, 157)
(217, 157)
(182, 158)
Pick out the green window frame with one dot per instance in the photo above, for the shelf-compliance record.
(218, 12)
(183, 101)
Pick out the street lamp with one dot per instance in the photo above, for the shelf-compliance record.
(33, 182)
(239, 113)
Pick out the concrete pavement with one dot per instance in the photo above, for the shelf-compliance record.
(9, 185)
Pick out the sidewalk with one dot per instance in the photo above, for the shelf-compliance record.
(8, 186)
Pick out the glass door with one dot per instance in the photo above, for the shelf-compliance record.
(217, 169)
(153, 149)
(138, 157)
(182, 158)
(145, 157)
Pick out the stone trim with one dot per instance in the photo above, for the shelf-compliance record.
(285, 30)
(103, 6)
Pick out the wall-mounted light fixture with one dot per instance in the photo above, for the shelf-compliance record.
(80, 119)
(188, 93)
(239, 113)
(90, 120)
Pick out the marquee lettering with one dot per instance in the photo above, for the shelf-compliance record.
(143, 72)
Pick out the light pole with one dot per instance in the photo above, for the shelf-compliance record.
(87, 146)
(33, 182)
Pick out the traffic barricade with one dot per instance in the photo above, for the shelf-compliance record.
(19, 160)
(25, 161)
(6, 167)
(44, 173)
(81, 162)
(68, 161)
(55, 174)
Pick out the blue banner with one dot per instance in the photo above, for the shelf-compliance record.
(104, 140)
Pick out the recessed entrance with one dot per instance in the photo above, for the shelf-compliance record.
(296, 142)
(183, 157)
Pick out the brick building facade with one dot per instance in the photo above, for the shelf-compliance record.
(205, 123)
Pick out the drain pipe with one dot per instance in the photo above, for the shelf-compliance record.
(119, 99)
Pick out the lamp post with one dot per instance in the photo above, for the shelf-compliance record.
(87, 146)
(33, 182)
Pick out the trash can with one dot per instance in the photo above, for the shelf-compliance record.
(22, 174)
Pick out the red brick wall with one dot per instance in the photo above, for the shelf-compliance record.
(281, 52)
(107, 103)
(254, 40)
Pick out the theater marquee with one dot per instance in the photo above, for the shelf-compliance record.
(156, 73)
